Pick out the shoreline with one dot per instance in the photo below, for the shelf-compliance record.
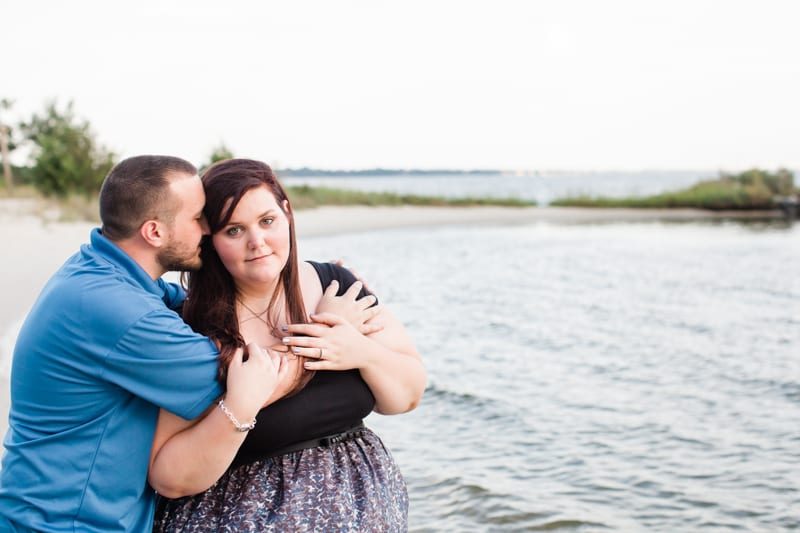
(37, 243)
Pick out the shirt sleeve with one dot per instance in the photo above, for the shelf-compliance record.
(162, 360)
(174, 295)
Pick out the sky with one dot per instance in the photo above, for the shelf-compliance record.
(439, 84)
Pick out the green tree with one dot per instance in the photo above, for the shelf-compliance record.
(66, 157)
(6, 145)
(220, 153)
(780, 182)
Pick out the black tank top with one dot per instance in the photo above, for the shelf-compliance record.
(331, 402)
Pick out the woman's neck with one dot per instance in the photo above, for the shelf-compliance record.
(255, 301)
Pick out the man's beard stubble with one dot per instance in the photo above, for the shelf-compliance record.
(173, 258)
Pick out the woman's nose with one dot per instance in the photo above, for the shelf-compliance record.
(256, 239)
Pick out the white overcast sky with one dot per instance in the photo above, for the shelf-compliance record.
(512, 84)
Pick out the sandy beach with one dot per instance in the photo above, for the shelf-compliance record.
(36, 242)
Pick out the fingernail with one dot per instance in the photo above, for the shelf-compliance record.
(284, 328)
(312, 314)
(286, 340)
(295, 349)
(307, 365)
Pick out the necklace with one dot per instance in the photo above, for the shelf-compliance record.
(259, 316)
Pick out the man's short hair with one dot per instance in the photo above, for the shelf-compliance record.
(137, 190)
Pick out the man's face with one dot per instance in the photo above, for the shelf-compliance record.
(182, 250)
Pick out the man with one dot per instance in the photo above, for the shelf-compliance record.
(102, 349)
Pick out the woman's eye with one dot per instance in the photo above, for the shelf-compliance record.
(233, 231)
(267, 221)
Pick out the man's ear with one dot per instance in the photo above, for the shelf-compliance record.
(154, 233)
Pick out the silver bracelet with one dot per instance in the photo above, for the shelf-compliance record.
(243, 428)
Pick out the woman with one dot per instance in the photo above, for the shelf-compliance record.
(307, 463)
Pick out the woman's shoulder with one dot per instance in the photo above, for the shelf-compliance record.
(327, 272)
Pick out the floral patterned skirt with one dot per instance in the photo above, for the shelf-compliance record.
(349, 486)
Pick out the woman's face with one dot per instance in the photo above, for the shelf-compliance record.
(254, 245)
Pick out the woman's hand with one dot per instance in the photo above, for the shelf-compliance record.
(387, 360)
(250, 383)
(357, 311)
(329, 343)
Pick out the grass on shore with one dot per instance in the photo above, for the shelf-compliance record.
(305, 196)
(741, 192)
(80, 208)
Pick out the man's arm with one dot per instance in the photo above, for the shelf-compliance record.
(187, 457)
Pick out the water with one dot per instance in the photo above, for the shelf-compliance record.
(632, 377)
(607, 377)
(542, 187)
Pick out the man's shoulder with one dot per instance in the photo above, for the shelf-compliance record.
(99, 294)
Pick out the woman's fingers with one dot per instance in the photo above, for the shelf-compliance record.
(353, 290)
(256, 355)
(282, 348)
(309, 352)
(369, 329)
(372, 312)
(251, 381)
(329, 319)
(316, 328)
(283, 370)
(238, 356)
(332, 289)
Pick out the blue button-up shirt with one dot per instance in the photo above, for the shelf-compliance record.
(100, 351)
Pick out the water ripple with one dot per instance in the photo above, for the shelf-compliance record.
(585, 378)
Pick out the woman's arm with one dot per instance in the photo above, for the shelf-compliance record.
(187, 457)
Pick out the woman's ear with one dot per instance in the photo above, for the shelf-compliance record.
(288, 210)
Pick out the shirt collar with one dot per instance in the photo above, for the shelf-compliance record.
(117, 257)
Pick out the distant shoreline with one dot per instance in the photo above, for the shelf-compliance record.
(306, 172)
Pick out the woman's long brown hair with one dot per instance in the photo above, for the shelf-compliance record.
(210, 306)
